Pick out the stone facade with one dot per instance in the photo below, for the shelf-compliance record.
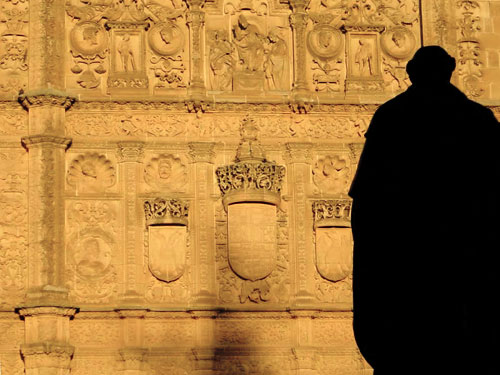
(174, 175)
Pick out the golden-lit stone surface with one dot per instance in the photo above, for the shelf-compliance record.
(174, 175)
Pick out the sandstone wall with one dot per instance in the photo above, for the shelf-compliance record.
(173, 175)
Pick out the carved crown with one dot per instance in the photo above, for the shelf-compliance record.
(332, 213)
(166, 211)
(251, 178)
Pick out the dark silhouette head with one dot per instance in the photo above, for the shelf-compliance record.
(430, 66)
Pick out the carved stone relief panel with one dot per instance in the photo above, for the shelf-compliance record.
(334, 245)
(92, 250)
(90, 173)
(127, 47)
(172, 331)
(13, 121)
(166, 250)
(165, 172)
(332, 174)
(13, 47)
(251, 53)
(361, 46)
(13, 226)
(348, 121)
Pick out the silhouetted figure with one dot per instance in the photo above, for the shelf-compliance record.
(425, 212)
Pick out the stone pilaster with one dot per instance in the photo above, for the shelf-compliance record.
(299, 174)
(130, 155)
(46, 45)
(46, 350)
(133, 354)
(202, 155)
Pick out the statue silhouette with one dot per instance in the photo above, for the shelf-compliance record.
(425, 214)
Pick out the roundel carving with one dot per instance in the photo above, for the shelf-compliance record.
(324, 41)
(88, 38)
(398, 42)
(166, 39)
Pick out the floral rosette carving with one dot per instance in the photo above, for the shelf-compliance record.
(161, 211)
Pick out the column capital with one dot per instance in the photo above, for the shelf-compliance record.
(45, 97)
(130, 151)
(202, 152)
(40, 140)
(299, 152)
(25, 311)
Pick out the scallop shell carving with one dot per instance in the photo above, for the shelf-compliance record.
(91, 172)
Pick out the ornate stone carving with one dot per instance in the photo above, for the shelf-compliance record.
(469, 54)
(91, 172)
(251, 189)
(333, 239)
(166, 237)
(166, 173)
(13, 46)
(91, 248)
(251, 176)
(331, 174)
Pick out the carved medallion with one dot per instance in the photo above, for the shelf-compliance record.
(88, 39)
(92, 254)
(167, 251)
(324, 41)
(333, 238)
(398, 42)
(166, 39)
(252, 239)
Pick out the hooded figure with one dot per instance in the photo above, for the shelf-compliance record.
(425, 214)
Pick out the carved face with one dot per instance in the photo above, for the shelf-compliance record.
(399, 39)
(89, 35)
(164, 169)
(324, 38)
(167, 34)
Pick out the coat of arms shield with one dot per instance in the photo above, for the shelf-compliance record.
(334, 248)
(252, 239)
(167, 251)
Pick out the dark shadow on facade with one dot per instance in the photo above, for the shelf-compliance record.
(425, 213)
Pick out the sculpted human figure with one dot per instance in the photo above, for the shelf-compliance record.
(221, 62)
(425, 276)
(276, 59)
(250, 45)
(364, 58)
(126, 52)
